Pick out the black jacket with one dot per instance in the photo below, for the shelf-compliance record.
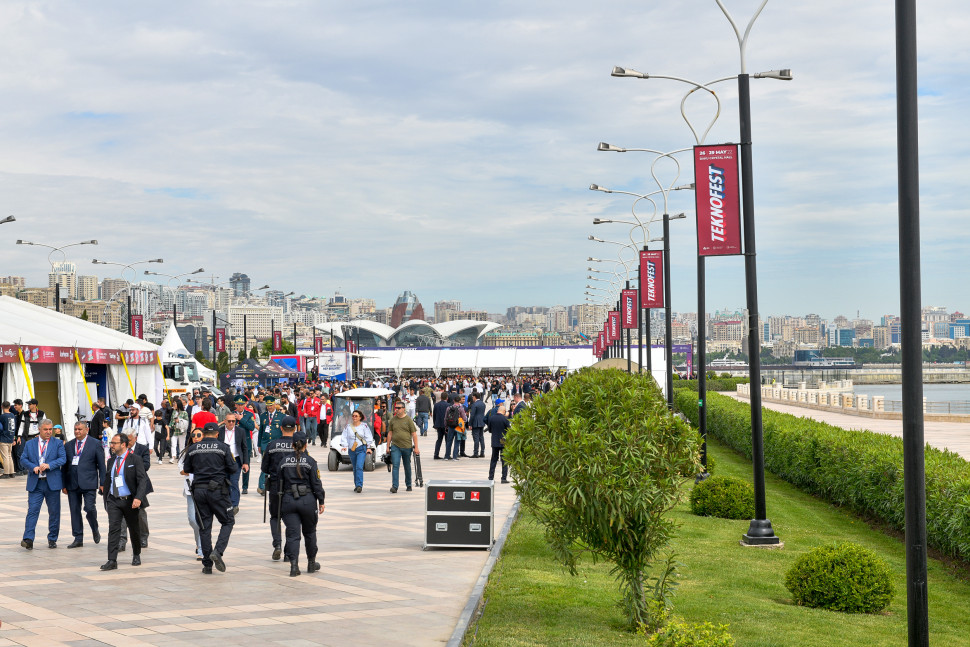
(438, 414)
(135, 477)
(239, 440)
(88, 474)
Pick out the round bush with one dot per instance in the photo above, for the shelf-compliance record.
(727, 497)
(845, 577)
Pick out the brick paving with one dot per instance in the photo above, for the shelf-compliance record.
(377, 585)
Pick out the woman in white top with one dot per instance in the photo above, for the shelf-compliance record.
(359, 441)
(187, 493)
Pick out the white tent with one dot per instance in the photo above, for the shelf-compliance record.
(173, 348)
(49, 340)
(476, 360)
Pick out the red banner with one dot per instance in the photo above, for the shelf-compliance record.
(317, 345)
(277, 341)
(600, 345)
(65, 354)
(220, 340)
(138, 326)
(651, 279)
(628, 308)
(718, 197)
(351, 346)
(614, 325)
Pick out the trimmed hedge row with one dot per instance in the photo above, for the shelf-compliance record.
(715, 384)
(861, 470)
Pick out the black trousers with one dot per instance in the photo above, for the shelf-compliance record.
(274, 514)
(120, 513)
(300, 517)
(75, 499)
(161, 446)
(142, 524)
(442, 432)
(496, 454)
(209, 504)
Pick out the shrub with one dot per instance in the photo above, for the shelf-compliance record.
(711, 463)
(845, 577)
(678, 633)
(860, 470)
(723, 383)
(599, 462)
(727, 497)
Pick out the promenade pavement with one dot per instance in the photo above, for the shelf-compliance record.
(954, 436)
(377, 585)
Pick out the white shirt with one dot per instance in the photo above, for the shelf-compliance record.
(348, 438)
(231, 440)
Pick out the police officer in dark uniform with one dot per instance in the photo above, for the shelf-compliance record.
(270, 428)
(302, 501)
(273, 455)
(211, 463)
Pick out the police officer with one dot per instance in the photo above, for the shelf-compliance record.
(211, 464)
(302, 501)
(246, 421)
(273, 456)
(269, 429)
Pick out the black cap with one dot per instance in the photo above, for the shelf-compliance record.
(210, 427)
(299, 437)
(288, 421)
(32, 401)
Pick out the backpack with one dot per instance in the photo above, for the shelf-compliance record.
(452, 416)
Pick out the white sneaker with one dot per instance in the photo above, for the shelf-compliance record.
(159, 461)
(171, 460)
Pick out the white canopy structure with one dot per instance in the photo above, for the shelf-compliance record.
(476, 360)
(53, 345)
(173, 348)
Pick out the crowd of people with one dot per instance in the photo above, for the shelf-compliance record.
(111, 453)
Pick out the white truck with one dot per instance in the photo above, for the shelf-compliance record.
(181, 376)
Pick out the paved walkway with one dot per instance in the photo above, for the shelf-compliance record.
(377, 585)
(954, 436)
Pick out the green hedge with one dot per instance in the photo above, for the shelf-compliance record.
(715, 384)
(861, 470)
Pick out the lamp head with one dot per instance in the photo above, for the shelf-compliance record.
(627, 72)
(90, 242)
(8, 219)
(597, 187)
(603, 146)
(778, 75)
(600, 221)
(199, 271)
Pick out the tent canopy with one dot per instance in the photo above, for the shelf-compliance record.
(173, 348)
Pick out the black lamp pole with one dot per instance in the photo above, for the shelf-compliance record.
(760, 531)
(668, 333)
(702, 362)
(914, 486)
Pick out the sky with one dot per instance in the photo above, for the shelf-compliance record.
(446, 147)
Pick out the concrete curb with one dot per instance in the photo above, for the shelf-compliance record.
(475, 599)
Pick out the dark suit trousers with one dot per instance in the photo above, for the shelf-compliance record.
(142, 515)
(209, 504)
(75, 499)
(121, 513)
(496, 455)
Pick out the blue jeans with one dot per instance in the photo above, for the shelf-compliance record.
(357, 457)
(452, 439)
(422, 421)
(397, 455)
(42, 494)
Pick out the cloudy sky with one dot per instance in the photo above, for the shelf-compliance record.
(446, 146)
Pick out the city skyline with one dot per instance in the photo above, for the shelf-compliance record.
(454, 143)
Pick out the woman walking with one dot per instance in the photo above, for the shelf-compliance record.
(359, 441)
(187, 493)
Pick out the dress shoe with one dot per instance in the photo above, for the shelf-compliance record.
(505, 480)
(28, 544)
(393, 490)
(409, 488)
(294, 568)
(136, 560)
(260, 491)
(437, 458)
(358, 489)
(217, 561)
(109, 565)
(122, 547)
(206, 570)
(97, 536)
(245, 491)
(463, 455)
(235, 510)
(51, 544)
(144, 543)
(277, 553)
(77, 543)
(312, 567)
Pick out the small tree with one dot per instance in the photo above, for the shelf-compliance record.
(599, 462)
(84, 314)
(222, 362)
(202, 359)
(267, 348)
(242, 355)
(254, 353)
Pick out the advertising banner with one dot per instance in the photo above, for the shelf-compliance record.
(718, 197)
(317, 345)
(138, 326)
(614, 325)
(65, 355)
(628, 305)
(277, 341)
(351, 346)
(220, 340)
(651, 279)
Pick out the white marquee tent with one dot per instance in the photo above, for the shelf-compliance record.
(173, 348)
(475, 360)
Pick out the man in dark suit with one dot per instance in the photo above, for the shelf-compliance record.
(438, 422)
(43, 458)
(97, 420)
(145, 454)
(124, 488)
(476, 420)
(235, 436)
(83, 473)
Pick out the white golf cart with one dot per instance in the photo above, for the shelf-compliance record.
(344, 404)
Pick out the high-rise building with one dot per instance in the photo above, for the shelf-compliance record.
(87, 288)
(112, 287)
(442, 307)
(18, 281)
(406, 307)
(239, 284)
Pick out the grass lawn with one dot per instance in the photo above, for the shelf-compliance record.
(530, 600)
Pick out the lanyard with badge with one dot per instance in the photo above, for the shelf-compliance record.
(42, 445)
(119, 477)
(77, 451)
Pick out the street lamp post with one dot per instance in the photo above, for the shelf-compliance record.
(126, 266)
(173, 277)
(50, 261)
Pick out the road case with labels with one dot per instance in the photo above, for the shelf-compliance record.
(459, 514)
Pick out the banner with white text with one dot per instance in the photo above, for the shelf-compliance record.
(718, 196)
